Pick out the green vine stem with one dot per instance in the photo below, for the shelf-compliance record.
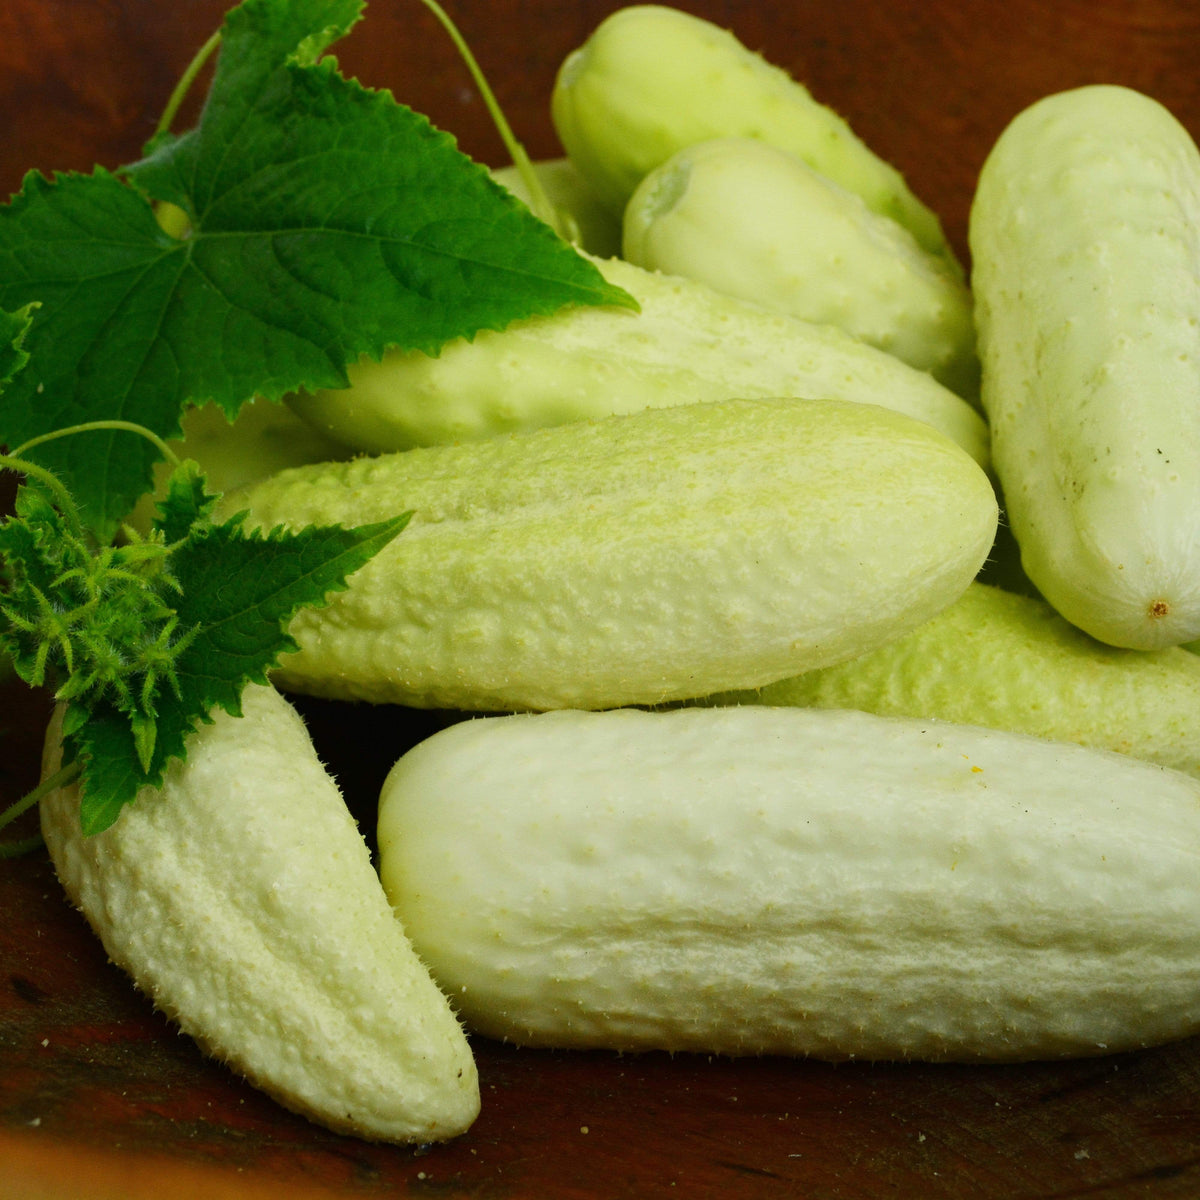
(539, 201)
(15, 462)
(179, 94)
(97, 426)
(19, 847)
(60, 778)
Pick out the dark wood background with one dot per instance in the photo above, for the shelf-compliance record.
(929, 84)
(100, 1098)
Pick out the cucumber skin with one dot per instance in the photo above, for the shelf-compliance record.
(757, 223)
(1009, 661)
(689, 343)
(636, 559)
(241, 898)
(765, 880)
(651, 80)
(1087, 287)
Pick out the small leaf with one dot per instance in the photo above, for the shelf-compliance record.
(112, 776)
(239, 591)
(186, 503)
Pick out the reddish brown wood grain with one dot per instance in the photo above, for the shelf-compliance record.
(100, 1097)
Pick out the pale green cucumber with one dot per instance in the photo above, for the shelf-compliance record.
(651, 80)
(688, 343)
(241, 898)
(635, 559)
(776, 880)
(594, 228)
(1085, 234)
(756, 222)
(1011, 662)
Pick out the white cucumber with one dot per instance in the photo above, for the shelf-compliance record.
(242, 900)
(756, 222)
(1011, 662)
(1085, 235)
(635, 559)
(773, 880)
(652, 79)
(688, 343)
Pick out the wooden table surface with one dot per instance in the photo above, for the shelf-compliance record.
(100, 1097)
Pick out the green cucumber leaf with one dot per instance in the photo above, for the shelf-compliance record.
(240, 589)
(327, 221)
(237, 593)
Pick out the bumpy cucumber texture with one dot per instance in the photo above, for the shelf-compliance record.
(635, 559)
(241, 898)
(773, 880)
(687, 343)
(1087, 291)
